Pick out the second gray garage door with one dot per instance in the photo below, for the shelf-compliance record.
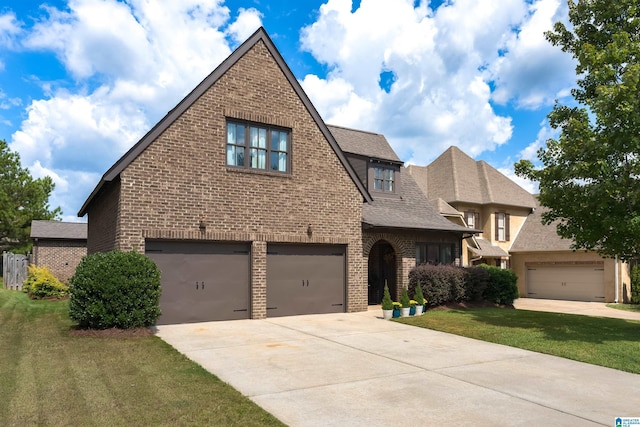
(305, 279)
(202, 281)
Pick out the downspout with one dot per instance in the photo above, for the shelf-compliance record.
(616, 279)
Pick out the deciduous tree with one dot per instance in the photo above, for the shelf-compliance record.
(590, 174)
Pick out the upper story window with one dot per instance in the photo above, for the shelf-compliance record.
(435, 253)
(383, 179)
(502, 226)
(472, 219)
(258, 147)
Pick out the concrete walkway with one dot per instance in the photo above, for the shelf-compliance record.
(598, 309)
(359, 370)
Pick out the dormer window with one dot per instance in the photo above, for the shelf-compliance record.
(383, 179)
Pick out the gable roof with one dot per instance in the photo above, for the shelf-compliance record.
(486, 249)
(445, 208)
(364, 143)
(457, 178)
(534, 236)
(58, 230)
(187, 102)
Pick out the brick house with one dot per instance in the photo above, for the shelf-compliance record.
(513, 235)
(400, 227)
(251, 208)
(60, 246)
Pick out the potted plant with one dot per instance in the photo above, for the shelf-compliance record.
(396, 309)
(406, 304)
(412, 304)
(387, 303)
(419, 298)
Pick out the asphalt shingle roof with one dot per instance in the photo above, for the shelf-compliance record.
(411, 210)
(364, 143)
(58, 230)
(535, 236)
(486, 249)
(455, 177)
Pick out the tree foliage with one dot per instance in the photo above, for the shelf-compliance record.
(22, 199)
(590, 175)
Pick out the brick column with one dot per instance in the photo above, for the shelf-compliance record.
(258, 280)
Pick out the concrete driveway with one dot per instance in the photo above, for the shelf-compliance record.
(359, 370)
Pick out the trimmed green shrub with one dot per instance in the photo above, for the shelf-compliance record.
(635, 285)
(115, 290)
(41, 283)
(476, 280)
(418, 295)
(440, 283)
(405, 301)
(387, 302)
(502, 287)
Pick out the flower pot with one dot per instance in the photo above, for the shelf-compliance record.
(412, 311)
(396, 312)
(404, 312)
(387, 314)
(419, 309)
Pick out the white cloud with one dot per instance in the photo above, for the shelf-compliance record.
(530, 186)
(247, 22)
(130, 69)
(532, 71)
(10, 28)
(441, 95)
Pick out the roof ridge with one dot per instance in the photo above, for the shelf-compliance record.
(486, 184)
(354, 130)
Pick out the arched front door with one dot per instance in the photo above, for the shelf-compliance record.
(382, 267)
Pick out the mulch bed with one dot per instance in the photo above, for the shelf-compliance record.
(112, 333)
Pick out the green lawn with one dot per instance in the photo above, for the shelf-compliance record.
(614, 343)
(48, 377)
(625, 307)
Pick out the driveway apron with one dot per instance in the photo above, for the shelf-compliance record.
(355, 369)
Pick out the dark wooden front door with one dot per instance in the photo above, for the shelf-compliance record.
(381, 269)
(305, 279)
(201, 281)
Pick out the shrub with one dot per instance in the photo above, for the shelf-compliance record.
(387, 302)
(440, 283)
(476, 280)
(41, 283)
(418, 295)
(115, 290)
(635, 285)
(404, 299)
(502, 287)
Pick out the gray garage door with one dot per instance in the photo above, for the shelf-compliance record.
(566, 283)
(305, 279)
(202, 281)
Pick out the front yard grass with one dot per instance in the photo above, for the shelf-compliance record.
(626, 307)
(614, 343)
(48, 377)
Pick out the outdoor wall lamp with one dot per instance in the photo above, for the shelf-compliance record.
(309, 231)
(203, 225)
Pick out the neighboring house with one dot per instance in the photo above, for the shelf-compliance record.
(251, 209)
(548, 268)
(60, 246)
(486, 199)
(513, 235)
(400, 227)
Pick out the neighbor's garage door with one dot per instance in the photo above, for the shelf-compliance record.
(201, 281)
(305, 279)
(566, 283)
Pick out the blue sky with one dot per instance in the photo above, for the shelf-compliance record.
(82, 80)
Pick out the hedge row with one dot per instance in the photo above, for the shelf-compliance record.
(442, 284)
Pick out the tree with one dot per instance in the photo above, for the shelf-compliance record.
(22, 199)
(590, 175)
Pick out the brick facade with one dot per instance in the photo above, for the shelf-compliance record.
(61, 257)
(181, 180)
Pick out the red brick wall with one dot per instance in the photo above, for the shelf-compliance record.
(61, 257)
(182, 178)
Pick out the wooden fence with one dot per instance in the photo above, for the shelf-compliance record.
(14, 270)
